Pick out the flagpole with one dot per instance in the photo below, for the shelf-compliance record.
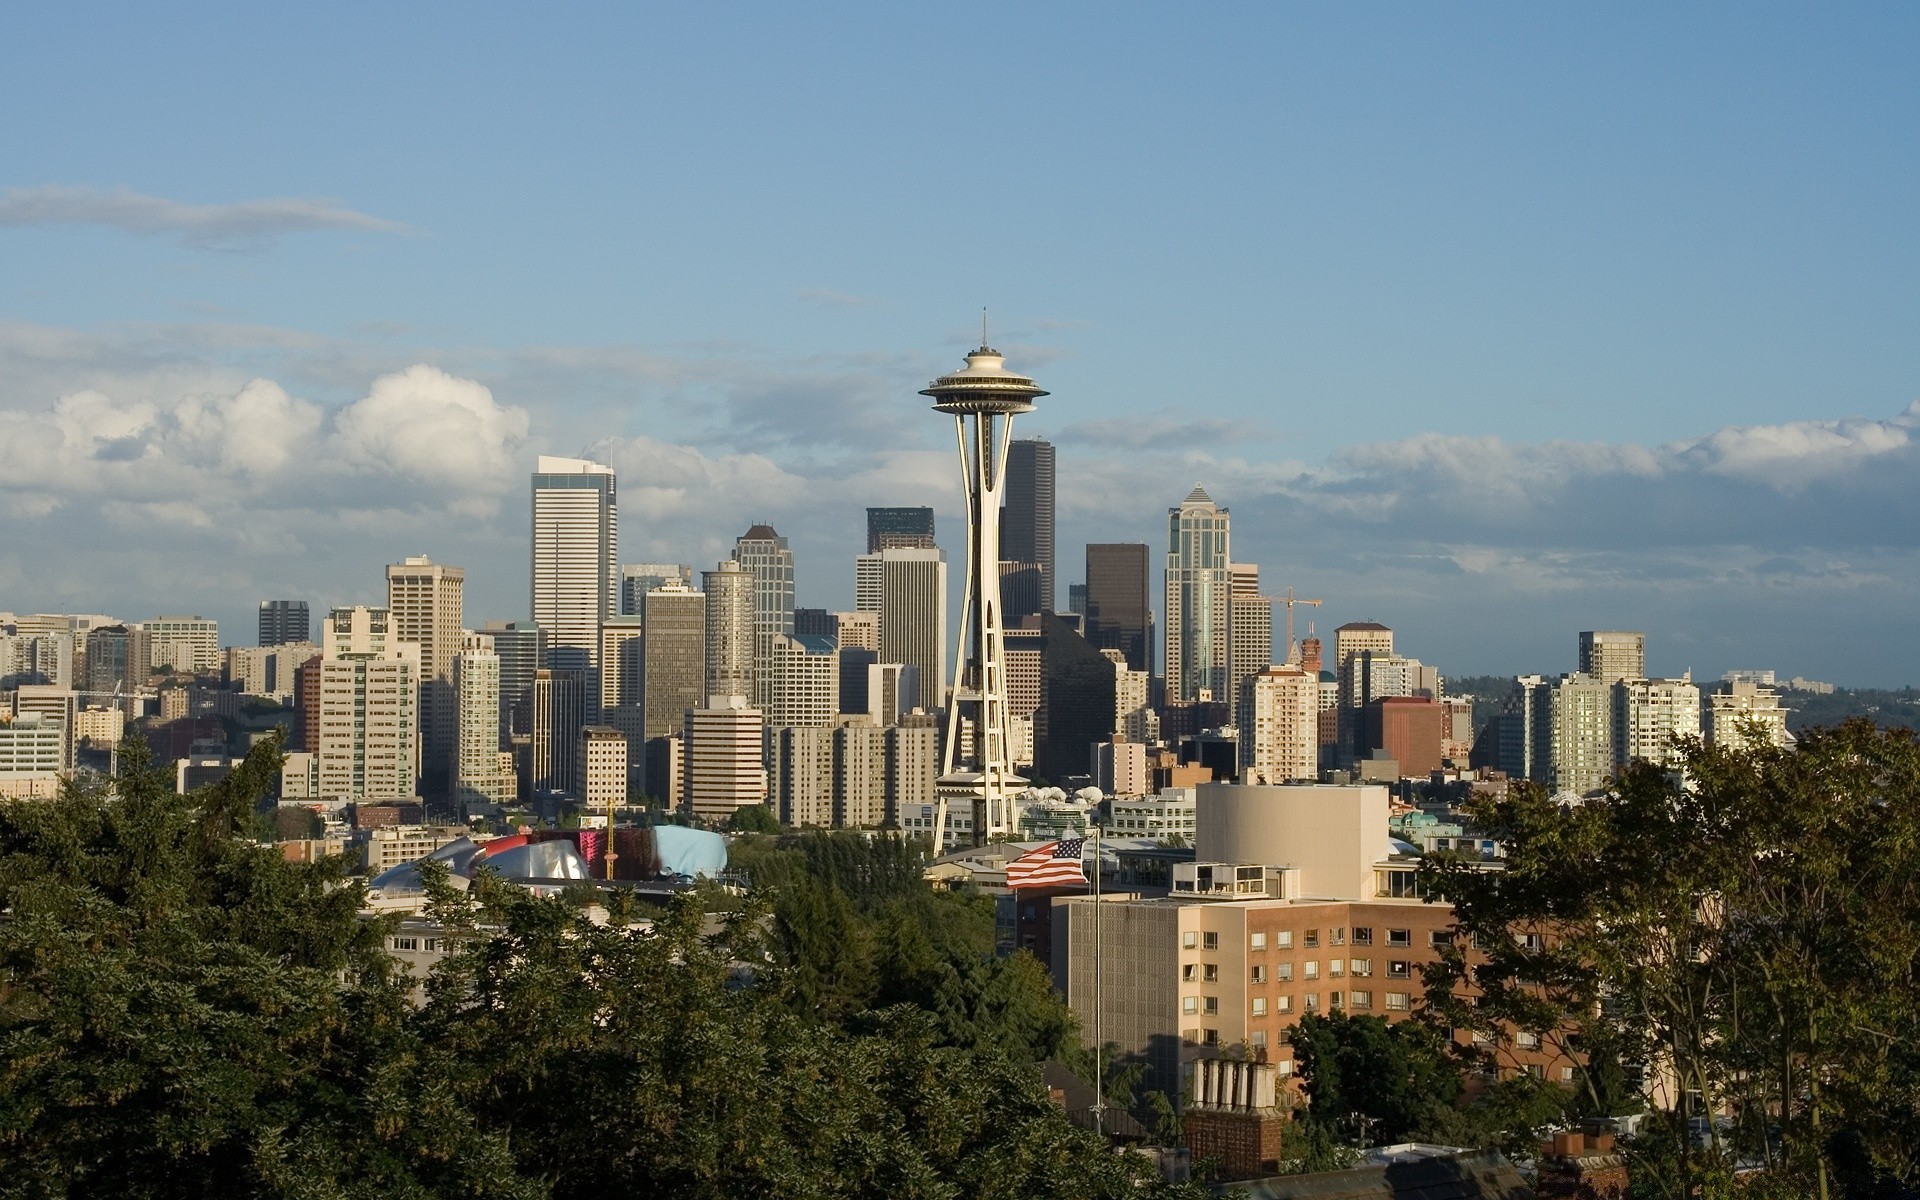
(1099, 1047)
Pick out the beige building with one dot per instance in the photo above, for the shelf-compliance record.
(1611, 655)
(268, 671)
(1738, 710)
(575, 575)
(1650, 716)
(858, 630)
(725, 768)
(55, 704)
(1120, 767)
(803, 685)
(603, 767)
(729, 635)
(673, 657)
(621, 644)
(907, 588)
(190, 645)
(1251, 651)
(801, 774)
(100, 726)
(364, 730)
(1169, 815)
(425, 603)
(32, 756)
(477, 775)
(393, 845)
(1131, 716)
(1280, 729)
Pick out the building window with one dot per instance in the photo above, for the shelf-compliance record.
(1189, 939)
(1534, 943)
(1283, 1004)
(1283, 971)
(1313, 969)
(1285, 1066)
(1190, 973)
(1259, 973)
(1259, 1006)
(1257, 941)
(1396, 1002)
(1209, 941)
(1189, 1004)
(1210, 973)
(1257, 1039)
(1333, 999)
(1535, 1070)
(1190, 1036)
(1361, 967)
(1363, 935)
(1210, 1005)
(1395, 937)
(406, 943)
(1360, 1000)
(1284, 939)
(1337, 937)
(1399, 968)
(1441, 938)
(1312, 938)
(1400, 885)
(1527, 1041)
(1336, 968)
(1311, 1001)
(1566, 1074)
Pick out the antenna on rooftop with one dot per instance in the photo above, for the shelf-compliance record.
(983, 325)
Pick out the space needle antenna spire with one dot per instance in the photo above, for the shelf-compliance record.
(983, 398)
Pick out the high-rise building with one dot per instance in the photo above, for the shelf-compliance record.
(1027, 517)
(575, 561)
(363, 720)
(1198, 600)
(1744, 714)
(284, 621)
(857, 630)
(904, 528)
(729, 636)
(1355, 638)
(189, 645)
(116, 660)
(1132, 716)
(1280, 736)
(621, 642)
(765, 555)
(1408, 730)
(1650, 716)
(52, 703)
(265, 671)
(673, 659)
(1250, 635)
(477, 777)
(559, 714)
(425, 601)
(1020, 590)
(806, 681)
(1525, 715)
(637, 579)
(522, 649)
(1116, 600)
(1579, 729)
(603, 768)
(906, 588)
(801, 774)
(725, 769)
(1611, 655)
(1078, 702)
(33, 751)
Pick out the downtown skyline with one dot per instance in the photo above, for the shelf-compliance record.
(1636, 353)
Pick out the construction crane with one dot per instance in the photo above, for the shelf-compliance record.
(1290, 600)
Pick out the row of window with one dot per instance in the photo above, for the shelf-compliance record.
(1309, 1002)
(1310, 939)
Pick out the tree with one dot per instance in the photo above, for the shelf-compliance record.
(753, 818)
(1741, 934)
(1380, 1082)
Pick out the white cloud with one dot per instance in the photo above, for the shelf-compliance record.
(224, 226)
(429, 425)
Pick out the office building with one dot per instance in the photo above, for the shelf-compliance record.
(765, 556)
(857, 630)
(673, 659)
(117, 659)
(285, 621)
(1020, 590)
(1027, 516)
(1280, 735)
(1613, 655)
(559, 714)
(725, 769)
(575, 558)
(1077, 702)
(1579, 729)
(361, 698)
(729, 634)
(426, 603)
(1524, 718)
(1120, 767)
(1743, 714)
(1131, 713)
(800, 775)
(263, 671)
(58, 705)
(188, 645)
(1198, 600)
(1116, 603)
(1250, 635)
(521, 647)
(911, 750)
(33, 756)
(637, 579)
(899, 528)
(478, 780)
(621, 644)
(603, 768)
(806, 681)
(1651, 717)
(1408, 730)
(906, 589)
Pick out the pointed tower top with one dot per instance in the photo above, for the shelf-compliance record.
(1198, 496)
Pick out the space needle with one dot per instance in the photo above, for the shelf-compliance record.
(983, 397)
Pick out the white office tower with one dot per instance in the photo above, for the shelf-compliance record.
(603, 768)
(575, 567)
(477, 778)
(765, 555)
(983, 397)
(1198, 600)
(1131, 715)
(1280, 738)
(51, 703)
(425, 600)
(1744, 714)
(32, 756)
(729, 631)
(190, 645)
(905, 587)
(725, 768)
(805, 671)
(365, 735)
(1650, 718)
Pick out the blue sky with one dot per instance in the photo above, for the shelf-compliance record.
(1491, 322)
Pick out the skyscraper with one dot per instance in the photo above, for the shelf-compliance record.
(559, 714)
(729, 631)
(907, 588)
(637, 579)
(1611, 655)
(1279, 736)
(425, 600)
(889, 528)
(364, 727)
(1197, 600)
(1027, 518)
(285, 621)
(766, 556)
(673, 658)
(575, 563)
(521, 647)
(1650, 716)
(1117, 600)
(477, 777)
(1250, 636)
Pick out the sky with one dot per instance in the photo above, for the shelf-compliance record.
(1491, 322)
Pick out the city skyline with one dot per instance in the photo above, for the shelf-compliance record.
(1487, 325)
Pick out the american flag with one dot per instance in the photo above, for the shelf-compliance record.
(1049, 865)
